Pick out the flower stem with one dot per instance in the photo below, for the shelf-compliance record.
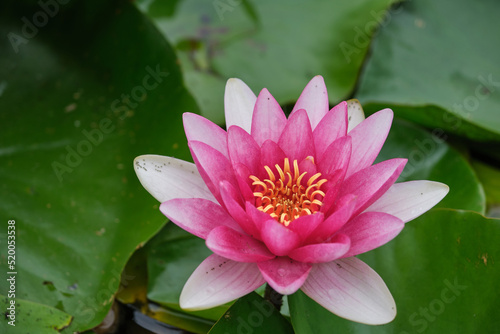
(272, 296)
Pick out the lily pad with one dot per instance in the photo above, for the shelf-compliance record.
(252, 314)
(432, 66)
(431, 158)
(442, 270)
(81, 97)
(24, 317)
(267, 44)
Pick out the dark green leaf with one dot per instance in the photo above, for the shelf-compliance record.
(432, 65)
(252, 314)
(27, 317)
(68, 140)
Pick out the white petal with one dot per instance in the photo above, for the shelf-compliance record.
(239, 101)
(355, 114)
(408, 200)
(352, 290)
(218, 280)
(167, 178)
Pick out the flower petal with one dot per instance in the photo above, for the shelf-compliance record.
(270, 155)
(268, 118)
(243, 149)
(337, 156)
(232, 202)
(371, 183)
(213, 166)
(218, 280)
(335, 221)
(355, 114)
(278, 238)
(284, 274)
(367, 140)
(352, 290)
(237, 246)
(370, 230)
(324, 252)
(408, 200)
(166, 178)
(296, 140)
(331, 127)
(314, 99)
(305, 225)
(239, 101)
(201, 129)
(197, 216)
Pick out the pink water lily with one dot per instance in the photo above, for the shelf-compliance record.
(289, 201)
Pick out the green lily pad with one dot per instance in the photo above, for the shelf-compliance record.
(431, 158)
(267, 44)
(432, 66)
(442, 270)
(252, 314)
(490, 179)
(23, 316)
(68, 140)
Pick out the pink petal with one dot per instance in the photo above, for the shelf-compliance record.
(355, 114)
(352, 290)
(367, 140)
(167, 178)
(370, 230)
(197, 216)
(296, 139)
(278, 238)
(270, 155)
(237, 246)
(201, 129)
(370, 183)
(331, 127)
(234, 206)
(305, 225)
(217, 281)
(268, 119)
(239, 101)
(408, 200)
(314, 99)
(335, 221)
(258, 217)
(284, 274)
(244, 182)
(336, 157)
(243, 149)
(324, 252)
(213, 166)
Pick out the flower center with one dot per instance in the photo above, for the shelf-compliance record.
(288, 196)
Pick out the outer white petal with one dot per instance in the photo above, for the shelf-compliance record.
(167, 178)
(355, 114)
(408, 200)
(239, 101)
(352, 290)
(218, 280)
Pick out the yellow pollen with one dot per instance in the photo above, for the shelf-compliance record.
(286, 197)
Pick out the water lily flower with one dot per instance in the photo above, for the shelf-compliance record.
(289, 201)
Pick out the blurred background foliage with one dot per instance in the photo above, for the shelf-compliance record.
(86, 86)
